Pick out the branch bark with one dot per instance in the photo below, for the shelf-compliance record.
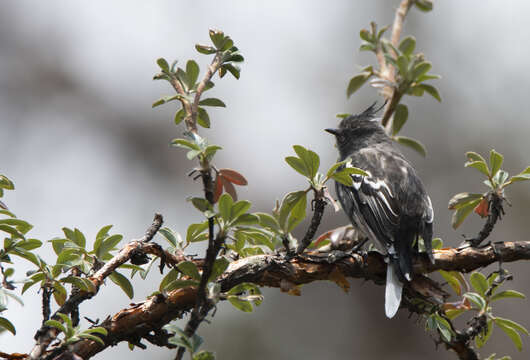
(269, 270)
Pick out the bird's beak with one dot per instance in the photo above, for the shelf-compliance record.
(333, 131)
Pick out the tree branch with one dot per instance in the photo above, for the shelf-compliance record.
(388, 72)
(320, 205)
(495, 212)
(270, 270)
(45, 335)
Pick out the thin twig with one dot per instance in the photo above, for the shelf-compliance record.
(201, 307)
(46, 293)
(495, 213)
(320, 205)
(388, 71)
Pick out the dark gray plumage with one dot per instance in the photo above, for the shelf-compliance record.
(390, 206)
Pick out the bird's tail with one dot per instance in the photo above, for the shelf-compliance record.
(393, 291)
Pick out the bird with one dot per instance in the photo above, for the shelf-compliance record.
(389, 205)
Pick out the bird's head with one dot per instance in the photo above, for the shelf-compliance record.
(356, 131)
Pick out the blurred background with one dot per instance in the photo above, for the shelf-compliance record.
(84, 148)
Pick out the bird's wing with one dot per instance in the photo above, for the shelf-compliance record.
(372, 204)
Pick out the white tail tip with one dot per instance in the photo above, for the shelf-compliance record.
(393, 291)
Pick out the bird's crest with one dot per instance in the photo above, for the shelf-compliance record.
(367, 115)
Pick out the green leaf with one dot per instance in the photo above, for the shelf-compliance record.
(203, 119)
(444, 328)
(239, 208)
(479, 165)
(512, 324)
(400, 117)
(219, 267)
(461, 199)
(356, 82)
(431, 90)
(217, 38)
(310, 158)
(523, 175)
(476, 299)
(56, 324)
(163, 64)
(452, 281)
(170, 236)
(511, 332)
(424, 5)
(179, 116)
(225, 206)
(196, 232)
(6, 324)
(188, 268)
(212, 102)
(268, 221)
(495, 162)
(481, 339)
(420, 69)
(179, 284)
(35, 259)
(234, 70)
(96, 330)
(158, 102)
(29, 244)
(461, 213)
(288, 204)
(123, 283)
(200, 204)
(239, 304)
(108, 245)
(413, 144)
(297, 164)
(185, 144)
(407, 45)
(20, 225)
(501, 177)
(92, 337)
(479, 283)
(507, 294)
(192, 72)
(402, 66)
(437, 243)
(335, 166)
(366, 36)
(245, 220)
(204, 355)
(204, 49)
(171, 276)
(59, 293)
(473, 156)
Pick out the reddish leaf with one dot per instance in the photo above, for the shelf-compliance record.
(233, 176)
(483, 207)
(229, 188)
(218, 188)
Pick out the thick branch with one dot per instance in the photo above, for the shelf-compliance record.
(270, 270)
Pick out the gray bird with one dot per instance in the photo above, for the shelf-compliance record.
(390, 205)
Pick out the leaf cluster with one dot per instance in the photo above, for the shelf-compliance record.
(73, 334)
(497, 180)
